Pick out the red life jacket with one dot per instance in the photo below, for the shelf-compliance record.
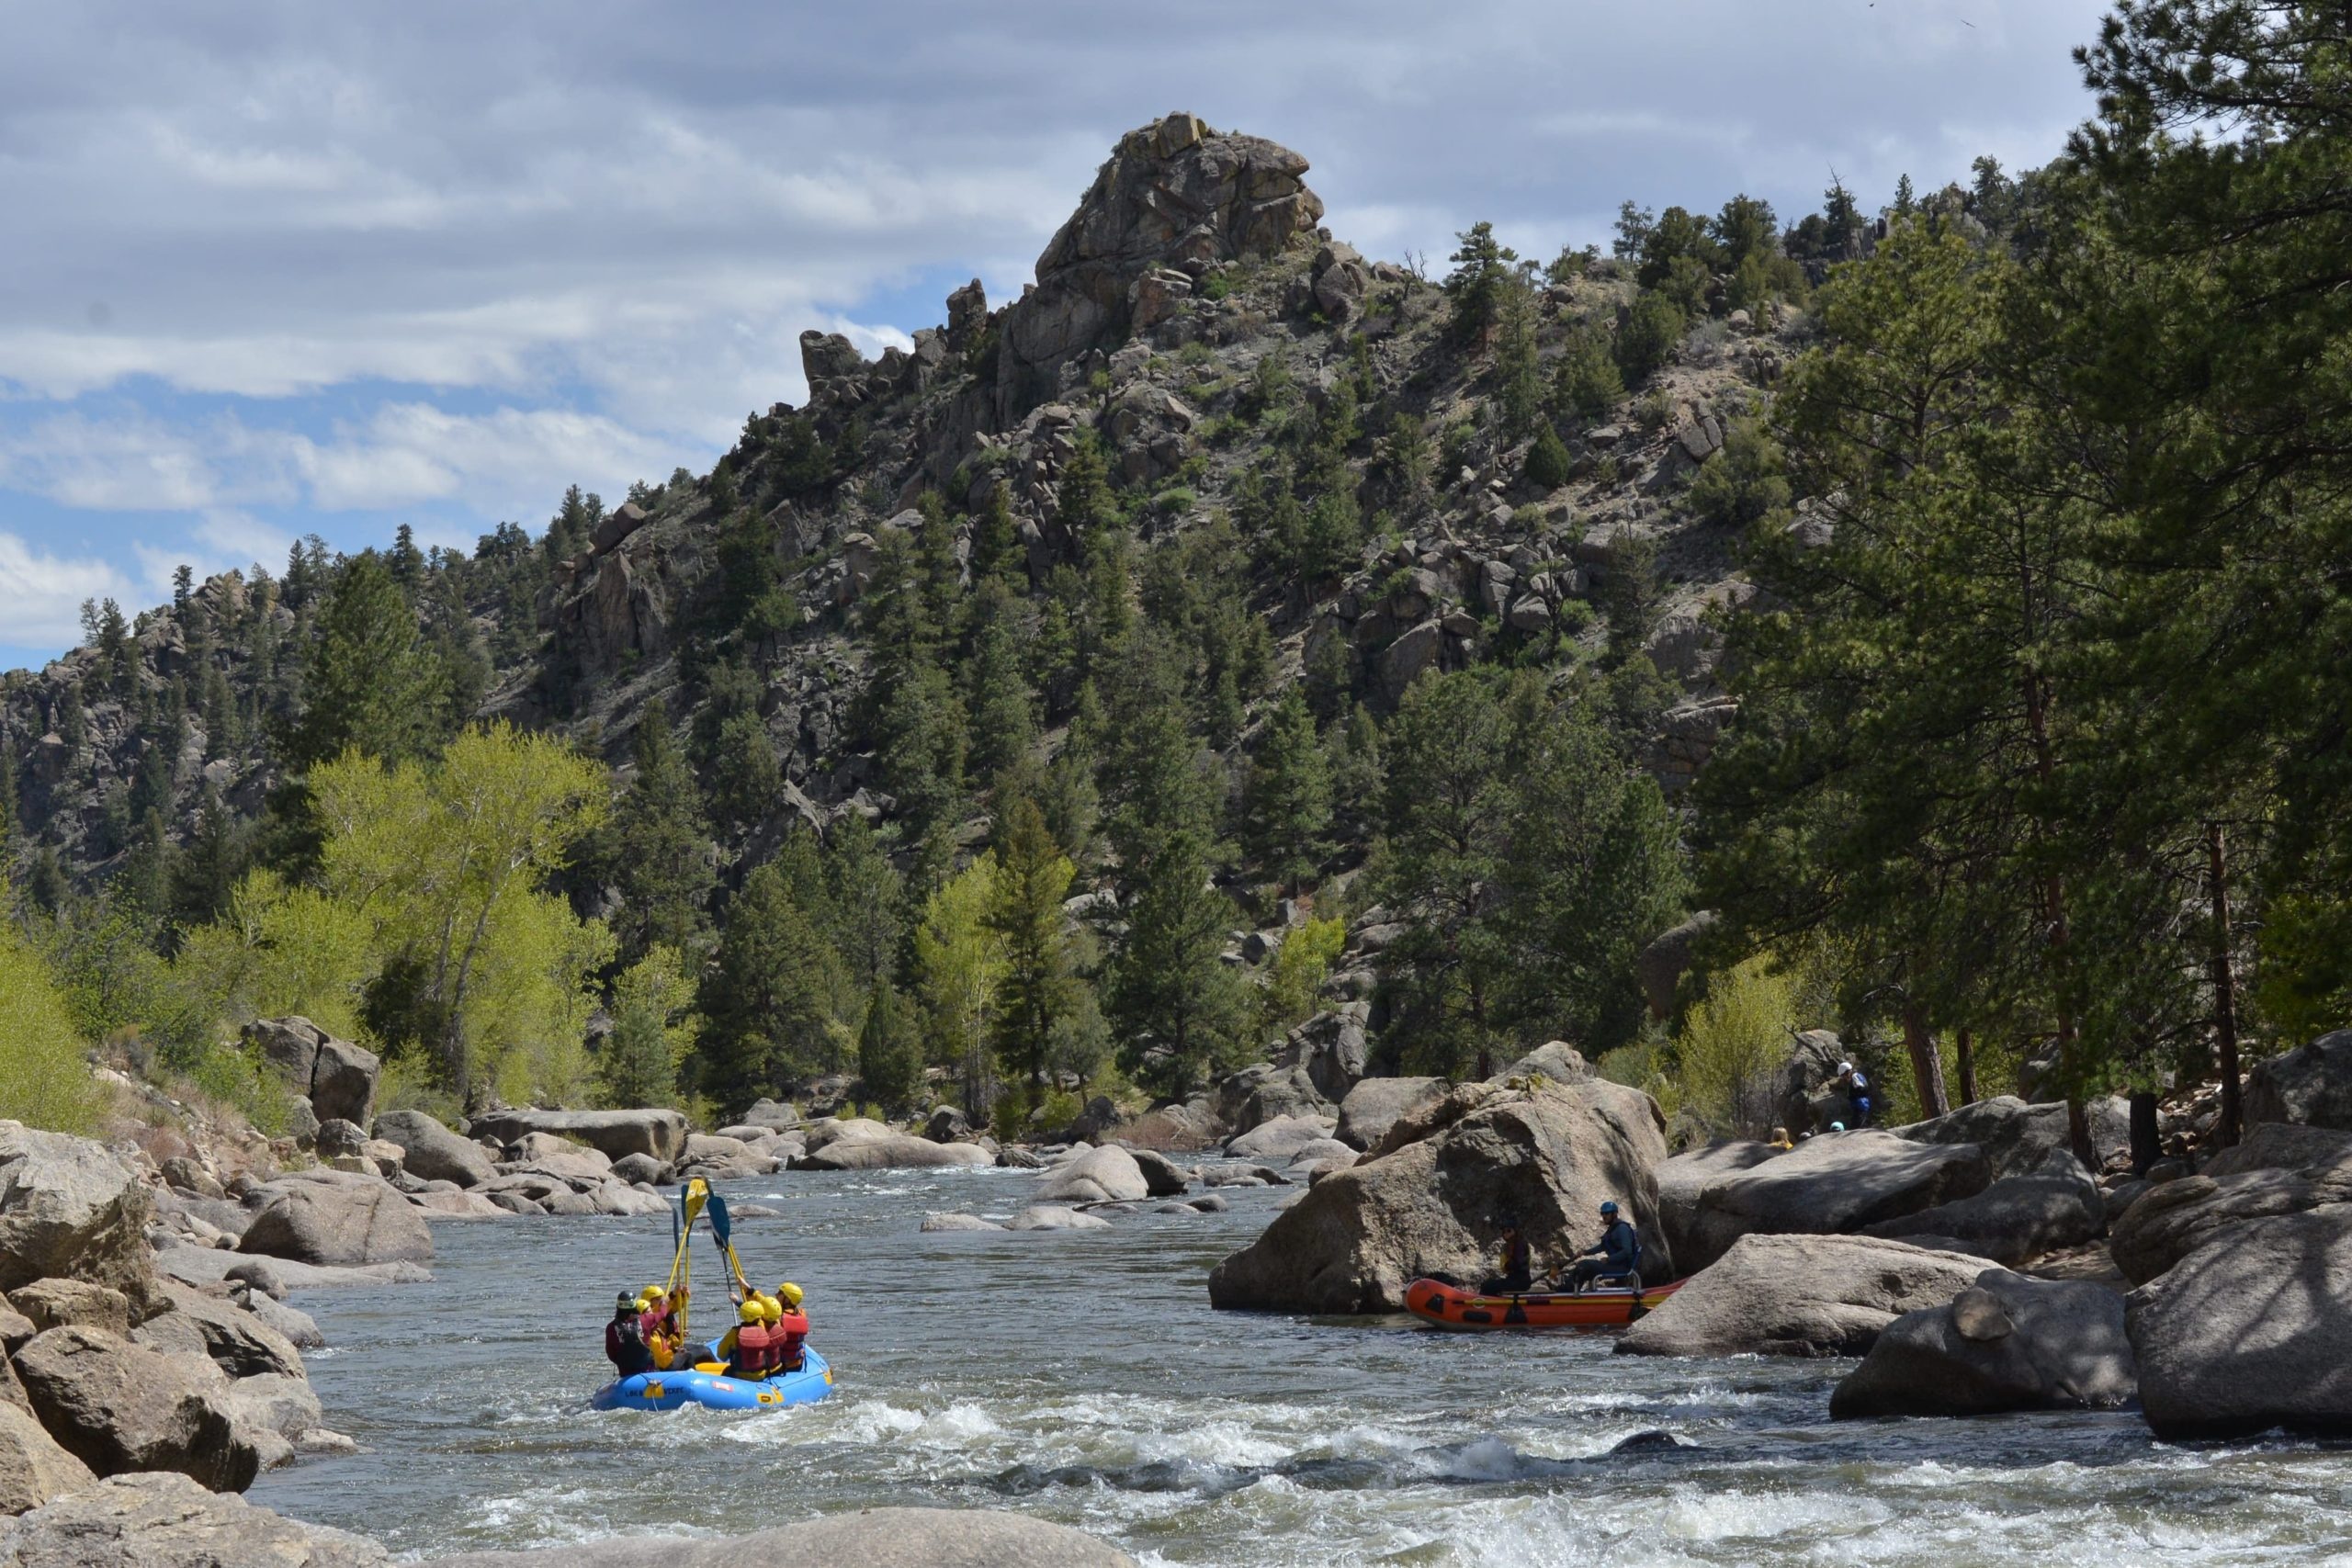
(753, 1352)
(786, 1339)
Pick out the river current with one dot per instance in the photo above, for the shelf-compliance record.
(1082, 1377)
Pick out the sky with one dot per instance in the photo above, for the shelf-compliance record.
(281, 268)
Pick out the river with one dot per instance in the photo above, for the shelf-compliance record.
(1080, 1376)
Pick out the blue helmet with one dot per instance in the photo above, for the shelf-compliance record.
(1609, 1209)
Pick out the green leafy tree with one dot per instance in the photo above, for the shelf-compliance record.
(45, 1073)
(960, 974)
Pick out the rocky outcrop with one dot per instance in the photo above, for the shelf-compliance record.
(237, 1341)
(1667, 958)
(2004, 1343)
(1374, 1105)
(871, 1537)
(1799, 1295)
(2173, 1219)
(33, 1469)
(168, 1521)
(118, 1406)
(1175, 196)
(2250, 1331)
(658, 1132)
(2019, 1139)
(2018, 1218)
(1547, 1154)
(356, 1220)
(431, 1152)
(1105, 1175)
(337, 1077)
(1832, 1185)
(1185, 1128)
(1162, 1177)
(70, 1209)
(2311, 1085)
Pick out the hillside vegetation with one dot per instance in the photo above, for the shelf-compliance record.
(1948, 601)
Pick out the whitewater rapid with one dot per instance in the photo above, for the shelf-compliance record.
(1082, 1377)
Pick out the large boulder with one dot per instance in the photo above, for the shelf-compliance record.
(1799, 1295)
(53, 1304)
(1832, 1185)
(2019, 1139)
(431, 1152)
(70, 1209)
(33, 1469)
(892, 1151)
(1664, 962)
(1109, 1174)
(1331, 1049)
(2250, 1331)
(168, 1521)
(2018, 1218)
(2311, 1085)
(362, 1220)
(1804, 1097)
(1162, 1177)
(116, 1406)
(1548, 1154)
(657, 1132)
(235, 1340)
(337, 1078)
(2004, 1343)
(1374, 1105)
(1692, 1172)
(870, 1538)
(2282, 1146)
(1280, 1139)
(1269, 1092)
(1185, 1128)
(2173, 1219)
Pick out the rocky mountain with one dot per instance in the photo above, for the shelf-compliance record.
(1370, 496)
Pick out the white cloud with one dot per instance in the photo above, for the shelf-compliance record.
(41, 594)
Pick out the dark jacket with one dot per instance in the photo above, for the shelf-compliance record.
(627, 1350)
(1619, 1247)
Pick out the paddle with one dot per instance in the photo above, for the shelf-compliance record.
(723, 1228)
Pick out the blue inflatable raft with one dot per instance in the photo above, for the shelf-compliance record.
(667, 1391)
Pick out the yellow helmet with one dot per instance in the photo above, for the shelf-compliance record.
(655, 1293)
(749, 1311)
(790, 1293)
(771, 1312)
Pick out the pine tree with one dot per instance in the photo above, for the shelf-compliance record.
(889, 1051)
(866, 900)
(205, 873)
(368, 686)
(1286, 805)
(745, 778)
(1586, 383)
(1474, 289)
(1083, 501)
(1181, 1010)
(658, 846)
(1032, 878)
(767, 995)
(1519, 373)
(1548, 464)
(1003, 709)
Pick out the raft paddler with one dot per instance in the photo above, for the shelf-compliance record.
(787, 1328)
(625, 1337)
(1617, 1253)
(1517, 1263)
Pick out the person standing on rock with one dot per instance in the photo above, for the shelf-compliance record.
(1858, 1094)
(1517, 1263)
(1618, 1252)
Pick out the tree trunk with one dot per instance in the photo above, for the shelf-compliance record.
(2225, 992)
(1927, 1065)
(2146, 1148)
(1967, 1064)
(2054, 892)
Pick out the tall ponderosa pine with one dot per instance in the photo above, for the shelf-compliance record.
(658, 847)
(1286, 804)
(1032, 878)
(769, 997)
(368, 684)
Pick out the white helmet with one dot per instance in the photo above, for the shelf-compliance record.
(1845, 1068)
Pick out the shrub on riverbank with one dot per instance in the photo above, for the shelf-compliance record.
(44, 1075)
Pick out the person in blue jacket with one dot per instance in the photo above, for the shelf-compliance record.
(1858, 1094)
(1619, 1251)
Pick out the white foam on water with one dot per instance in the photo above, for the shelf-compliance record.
(1693, 1515)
